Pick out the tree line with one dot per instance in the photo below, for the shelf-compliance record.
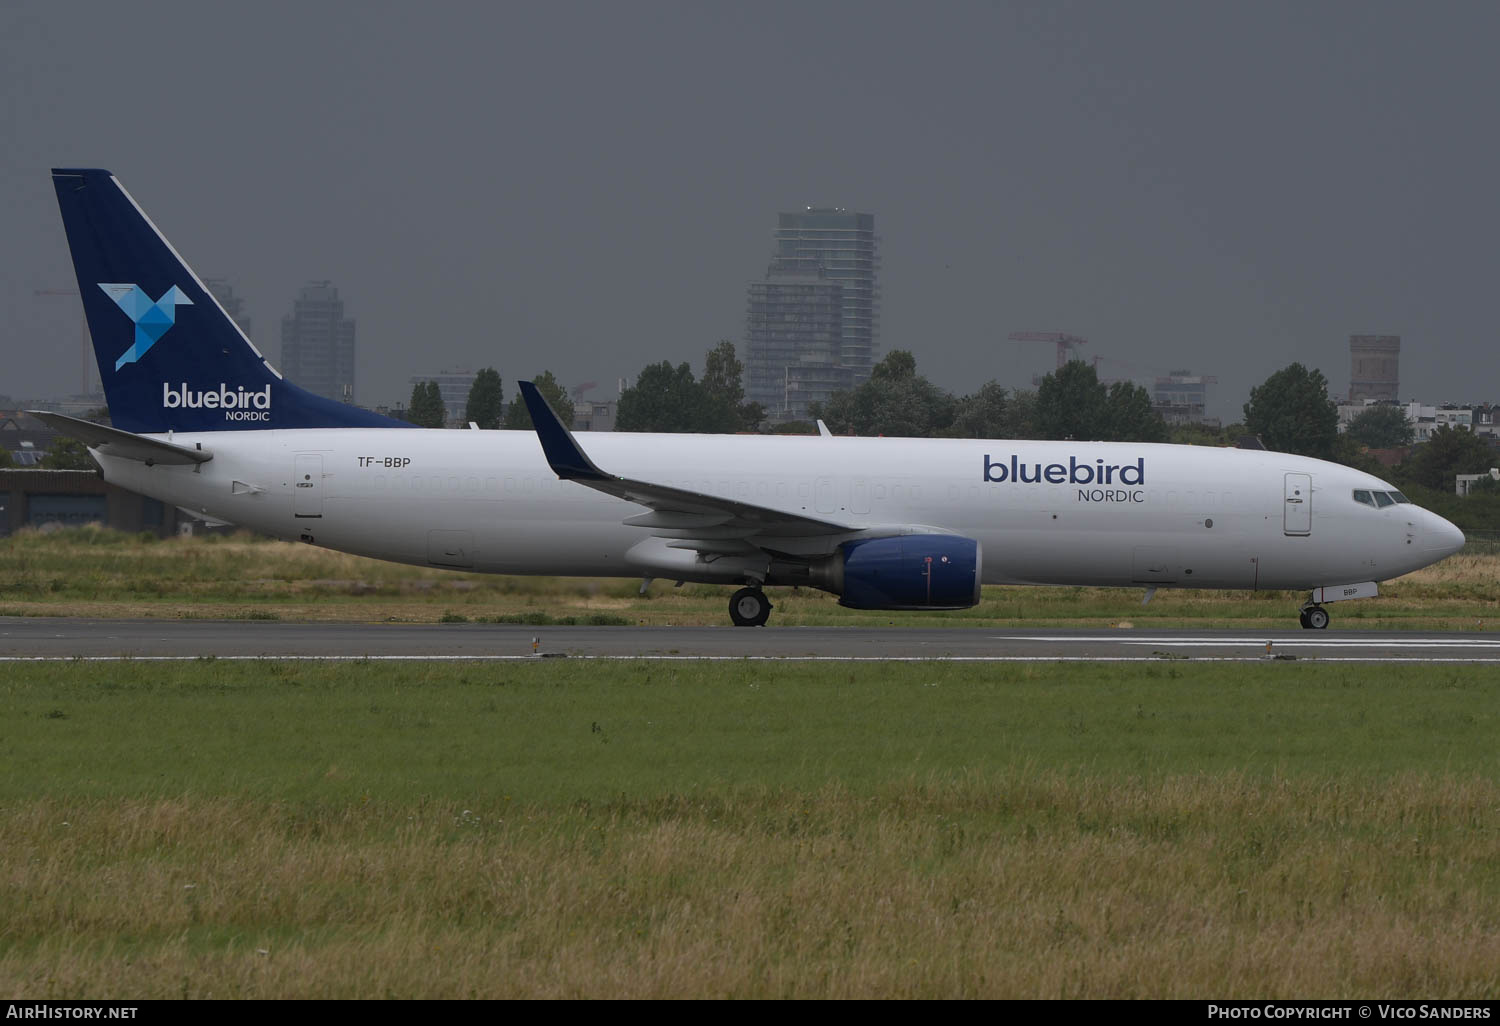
(895, 401)
(1070, 403)
(486, 405)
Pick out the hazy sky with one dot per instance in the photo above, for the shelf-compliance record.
(588, 187)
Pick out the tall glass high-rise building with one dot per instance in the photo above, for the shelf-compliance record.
(812, 323)
(843, 243)
(793, 335)
(317, 343)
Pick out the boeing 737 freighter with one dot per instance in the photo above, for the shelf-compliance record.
(203, 421)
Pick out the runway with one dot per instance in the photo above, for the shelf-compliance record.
(54, 638)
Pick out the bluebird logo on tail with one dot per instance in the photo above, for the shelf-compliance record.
(152, 320)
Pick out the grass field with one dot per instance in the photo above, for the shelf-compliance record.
(752, 830)
(89, 572)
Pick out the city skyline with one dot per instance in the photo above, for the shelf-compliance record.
(812, 323)
(1226, 189)
(319, 345)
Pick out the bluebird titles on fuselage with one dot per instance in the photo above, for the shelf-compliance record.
(1072, 472)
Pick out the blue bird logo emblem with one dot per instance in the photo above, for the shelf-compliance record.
(152, 319)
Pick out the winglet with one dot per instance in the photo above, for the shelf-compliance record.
(567, 459)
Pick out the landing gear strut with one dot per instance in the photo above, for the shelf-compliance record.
(1314, 618)
(749, 608)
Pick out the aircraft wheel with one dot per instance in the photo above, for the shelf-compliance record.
(1302, 619)
(749, 608)
(1317, 618)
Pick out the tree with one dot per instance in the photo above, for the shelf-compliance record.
(426, 408)
(898, 365)
(1073, 403)
(895, 401)
(67, 454)
(1350, 453)
(6, 459)
(1291, 413)
(1130, 417)
(518, 417)
(667, 398)
(1381, 427)
(723, 381)
(1449, 452)
(985, 414)
(664, 398)
(486, 400)
(1020, 415)
(1070, 403)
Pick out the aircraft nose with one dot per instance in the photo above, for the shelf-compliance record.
(1441, 536)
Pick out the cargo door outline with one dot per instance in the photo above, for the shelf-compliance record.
(307, 486)
(1297, 505)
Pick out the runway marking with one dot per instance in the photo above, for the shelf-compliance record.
(1298, 642)
(737, 658)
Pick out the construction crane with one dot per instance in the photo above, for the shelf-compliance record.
(86, 350)
(1065, 343)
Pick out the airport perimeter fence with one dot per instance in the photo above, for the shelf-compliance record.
(1481, 543)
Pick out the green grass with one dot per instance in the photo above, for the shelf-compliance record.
(564, 829)
(559, 730)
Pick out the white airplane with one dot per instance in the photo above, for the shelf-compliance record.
(202, 421)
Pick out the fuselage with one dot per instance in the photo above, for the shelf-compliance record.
(1061, 513)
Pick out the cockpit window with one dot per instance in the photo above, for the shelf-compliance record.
(1363, 496)
(1399, 497)
(1383, 500)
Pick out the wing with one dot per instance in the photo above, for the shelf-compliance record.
(690, 520)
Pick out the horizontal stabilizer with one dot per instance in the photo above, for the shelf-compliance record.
(202, 518)
(109, 441)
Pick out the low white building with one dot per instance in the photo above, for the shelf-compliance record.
(1466, 481)
(1424, 419)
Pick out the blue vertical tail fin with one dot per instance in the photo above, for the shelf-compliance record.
(169, 356)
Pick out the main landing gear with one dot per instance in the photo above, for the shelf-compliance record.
(1313, 617)
(749, 607)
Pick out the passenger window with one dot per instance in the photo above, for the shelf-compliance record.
(1383, 500)
(1364, 497)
